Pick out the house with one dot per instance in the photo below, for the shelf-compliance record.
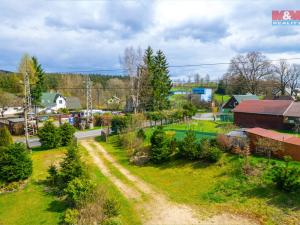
(269, 114)
(73, 103)
(14, 106)
(235, 100)
(52, 102)
(285, 144)
(205, 94)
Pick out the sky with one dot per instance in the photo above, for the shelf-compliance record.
(76, 35)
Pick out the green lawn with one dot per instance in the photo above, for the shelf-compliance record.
(213, 188)
(33, 205)
(203, 129)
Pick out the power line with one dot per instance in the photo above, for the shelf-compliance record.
(170, 66)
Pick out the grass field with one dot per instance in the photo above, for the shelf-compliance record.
(213, 188)
(203, 129)
(33, 205)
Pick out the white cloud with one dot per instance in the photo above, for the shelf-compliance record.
(83, 35)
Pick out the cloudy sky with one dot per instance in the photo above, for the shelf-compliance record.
(74, 35)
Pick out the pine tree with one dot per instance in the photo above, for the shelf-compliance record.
(39, 86)
(161, 82)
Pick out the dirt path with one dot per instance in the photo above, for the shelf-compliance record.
(159, 210)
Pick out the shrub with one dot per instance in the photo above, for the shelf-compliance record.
(189, 110)
(5, 137)
(159, 150)
(71, 166)
(214, 154)
(49, 135)
(119, 124)
(223, 142)
(53, 175)
(15, 163)
(67, 134)
(130, 142)
(111, 208)
(203, 148)
(79, 191)
(71, 216)
(286, 178)
(141, 134)
(112, 221)
(188, 147)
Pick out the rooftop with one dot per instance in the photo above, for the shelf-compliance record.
(271, 107)
(241, 98)
(287, 138)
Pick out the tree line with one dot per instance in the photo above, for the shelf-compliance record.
(254, 73)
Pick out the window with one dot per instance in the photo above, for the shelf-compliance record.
(60, 101)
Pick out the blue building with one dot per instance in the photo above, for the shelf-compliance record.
(205, 94)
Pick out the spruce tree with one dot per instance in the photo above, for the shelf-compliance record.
(161, 82)
(15, 163)
(39, 86)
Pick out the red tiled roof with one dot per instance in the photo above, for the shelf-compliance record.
(274, 135)
(293, 110)
(272, 107)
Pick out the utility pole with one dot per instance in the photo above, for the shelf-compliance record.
(89, 103)
(27, 104)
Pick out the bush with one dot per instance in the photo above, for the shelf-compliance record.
(15, 163)
(79, 191)
(5, 137)
(119, 124)
(159, 150)
(189, 110)
(53, 175)
(111, 208)
(188, 146)
(141, 134)
(214, 154)
(224, 142)
(129, 141)
(67, 134)
(286, 178)
(112, 221)
(71, 167)
(71, 216)
(49, 135)
(203, 148)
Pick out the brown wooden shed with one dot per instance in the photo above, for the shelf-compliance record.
(267, 114)
(290, 145)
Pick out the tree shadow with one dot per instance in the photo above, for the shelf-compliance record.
(58, 206)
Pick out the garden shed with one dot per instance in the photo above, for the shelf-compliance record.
(267, 114)
(287, 144)
(14, 125)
